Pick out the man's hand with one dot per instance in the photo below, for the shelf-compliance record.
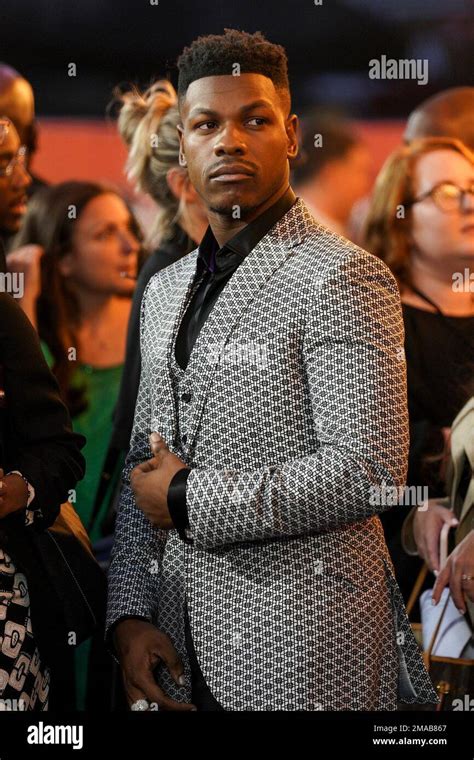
(140, 647)
(150, 482)
(427, 526)
(458, 572)
(13, 494)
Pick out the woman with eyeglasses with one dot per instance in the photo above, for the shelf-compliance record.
(421, 223)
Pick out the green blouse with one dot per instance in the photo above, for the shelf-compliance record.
(95, 423)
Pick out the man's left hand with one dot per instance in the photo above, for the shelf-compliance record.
(150, 482)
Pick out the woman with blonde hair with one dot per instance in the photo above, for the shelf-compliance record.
(421, 223)
(147, 123)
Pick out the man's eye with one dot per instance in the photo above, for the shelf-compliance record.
(205, 124)
(258, 118)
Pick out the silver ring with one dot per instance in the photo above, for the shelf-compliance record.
(140, 705)
(465, 577)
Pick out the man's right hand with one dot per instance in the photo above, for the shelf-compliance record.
(140, 647)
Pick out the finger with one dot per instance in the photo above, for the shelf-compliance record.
(143, 468)
(153, 693)
(157, 443)
(133, 693)
(173, 662)
(431, 551)
(455, 584)
(447, 515)
(441, 582)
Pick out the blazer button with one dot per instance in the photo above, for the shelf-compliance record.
(184, 438)
(186, 397)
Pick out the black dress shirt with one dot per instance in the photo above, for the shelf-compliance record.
(215, 266)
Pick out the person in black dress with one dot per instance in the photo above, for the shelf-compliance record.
(421, 223)
(40, 461)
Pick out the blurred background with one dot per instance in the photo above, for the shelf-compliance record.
(120, 41)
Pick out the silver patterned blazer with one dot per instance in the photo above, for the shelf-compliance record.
(294, 411)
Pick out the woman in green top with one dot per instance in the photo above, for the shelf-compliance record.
(101, 386)
(79, 250)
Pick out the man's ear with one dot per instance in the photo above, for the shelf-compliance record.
(181, 157)
(292, 135)
(176, 179)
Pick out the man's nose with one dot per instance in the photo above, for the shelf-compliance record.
(230, 142)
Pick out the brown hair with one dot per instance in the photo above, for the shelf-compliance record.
(147, 123)
(387, 227)
(47, 223)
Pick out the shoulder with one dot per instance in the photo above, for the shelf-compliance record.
(325, 256)
(322, 253)
(169, 275)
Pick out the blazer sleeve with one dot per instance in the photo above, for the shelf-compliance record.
(37, 438)
(354, 363)
(134, 573)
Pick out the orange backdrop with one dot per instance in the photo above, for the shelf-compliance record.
(91, 149)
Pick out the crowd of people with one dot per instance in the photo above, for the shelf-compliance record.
(77, 351)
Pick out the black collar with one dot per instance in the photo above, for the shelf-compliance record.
(233, 252)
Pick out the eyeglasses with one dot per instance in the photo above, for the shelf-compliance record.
(447, 196)
(8, 167)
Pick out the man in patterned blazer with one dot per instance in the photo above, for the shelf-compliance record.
(249, 570)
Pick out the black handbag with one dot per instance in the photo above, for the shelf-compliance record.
(77, 579)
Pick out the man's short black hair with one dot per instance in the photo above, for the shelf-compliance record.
(217, 54)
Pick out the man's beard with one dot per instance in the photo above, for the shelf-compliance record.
(228, 210)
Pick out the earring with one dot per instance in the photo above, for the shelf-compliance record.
(182, 160)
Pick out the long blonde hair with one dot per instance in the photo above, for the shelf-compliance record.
(147, 124)
(388, 224)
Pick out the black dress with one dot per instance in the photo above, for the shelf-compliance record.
(440, 375)
(35, 439)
